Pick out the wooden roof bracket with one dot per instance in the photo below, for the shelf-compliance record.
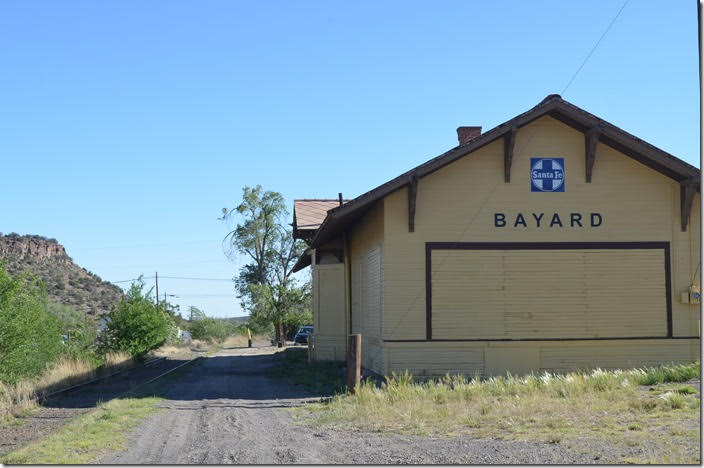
(412, 192)
(688, 188)
(509, 143)
(591, 138)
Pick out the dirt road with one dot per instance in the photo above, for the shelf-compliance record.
(227, 411)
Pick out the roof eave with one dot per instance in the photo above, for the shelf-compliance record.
(303, 261)
(552, 105)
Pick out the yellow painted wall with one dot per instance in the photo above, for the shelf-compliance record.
(499, 294)
(458, 202)
(329, 317)
(365, 244)
(438, 358)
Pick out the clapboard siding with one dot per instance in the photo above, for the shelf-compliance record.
(431, 359)
(365, 253)
(526, 310)
(614, 355)
(371, 309)
(485, 294)
(457, 204)
(436, 359)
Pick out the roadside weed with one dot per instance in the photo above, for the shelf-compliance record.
(639, 406)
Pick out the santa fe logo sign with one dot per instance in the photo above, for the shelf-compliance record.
(547, 174)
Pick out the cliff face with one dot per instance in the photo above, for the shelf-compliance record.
(35, 247)
(66, 283)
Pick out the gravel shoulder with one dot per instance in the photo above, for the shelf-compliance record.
(59, 410)
(225, 410)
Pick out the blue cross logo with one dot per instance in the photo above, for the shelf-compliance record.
(547, 174)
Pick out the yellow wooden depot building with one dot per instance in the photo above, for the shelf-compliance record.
(554, 241)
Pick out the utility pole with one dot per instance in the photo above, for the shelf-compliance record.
(156, 276)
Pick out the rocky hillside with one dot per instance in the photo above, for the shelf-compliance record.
(66, 282)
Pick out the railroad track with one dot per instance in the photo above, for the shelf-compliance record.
(149, 363)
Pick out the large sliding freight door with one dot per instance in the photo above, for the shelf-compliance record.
(522, 291)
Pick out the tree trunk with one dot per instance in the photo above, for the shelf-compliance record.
(281, 334)
(277, 337)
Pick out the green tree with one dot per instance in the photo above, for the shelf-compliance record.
(30, 337)
(137, 325)
(265, 284)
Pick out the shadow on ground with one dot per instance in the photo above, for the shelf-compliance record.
(236, 377)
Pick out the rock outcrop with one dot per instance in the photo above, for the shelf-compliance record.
(66, 283)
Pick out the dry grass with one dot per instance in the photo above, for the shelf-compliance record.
(231, 342)
(240, 341)
(548, 407)
(19, 398)
(169, 350)
(15, 399)
(199, 345)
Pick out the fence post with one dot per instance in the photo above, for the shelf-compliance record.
(354, 362)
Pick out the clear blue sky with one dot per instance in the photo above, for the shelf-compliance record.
(132, 123)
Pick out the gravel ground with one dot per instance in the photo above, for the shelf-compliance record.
(60, 409)
(227, 411)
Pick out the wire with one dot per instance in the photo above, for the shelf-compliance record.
(159, 265)
(517, 156)
(196, 279)
(695, 272)
(175, 277)
(594, 48)
(133, 279)
(144, 245)
(433, 273)
(204, 295)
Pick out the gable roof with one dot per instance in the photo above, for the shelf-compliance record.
(342, 217)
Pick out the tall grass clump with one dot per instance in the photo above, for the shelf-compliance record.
(666, 374)
(547, 406)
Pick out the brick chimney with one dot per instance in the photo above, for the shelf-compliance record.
(465, 134)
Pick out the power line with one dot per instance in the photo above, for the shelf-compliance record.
(518, 154)
(197, 279)
(203, 295)
(594, 48)
(146, 245)
(481, 207)
(133, 279)
(159, 265)
(176, 277)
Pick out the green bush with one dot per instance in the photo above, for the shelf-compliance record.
(207, 328)
(136, 325)
(30, 336)
(79, 329)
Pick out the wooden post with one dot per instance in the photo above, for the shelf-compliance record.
(354, 362)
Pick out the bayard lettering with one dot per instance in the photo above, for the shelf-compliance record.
(534, 220)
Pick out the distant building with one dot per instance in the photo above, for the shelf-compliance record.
(184, 335)
(554, 241)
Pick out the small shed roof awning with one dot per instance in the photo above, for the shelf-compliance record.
(309, 214)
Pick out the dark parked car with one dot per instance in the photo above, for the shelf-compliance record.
(302, 335)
